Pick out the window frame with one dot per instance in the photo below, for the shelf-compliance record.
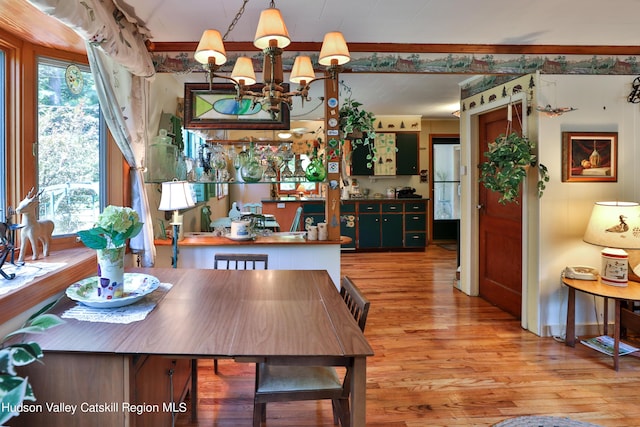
(27, 152)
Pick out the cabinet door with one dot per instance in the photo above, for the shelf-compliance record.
(348, 224)
(312, 214)
(369, 231)
(385, 164)
(407, 156)
(392, 230)
(160, 381)
(359, 161)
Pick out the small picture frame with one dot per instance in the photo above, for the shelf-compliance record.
(589, 156)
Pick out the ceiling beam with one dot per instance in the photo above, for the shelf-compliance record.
(509, 49)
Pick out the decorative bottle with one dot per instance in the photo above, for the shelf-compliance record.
(251, 171)
(316, 171)
(594, 158)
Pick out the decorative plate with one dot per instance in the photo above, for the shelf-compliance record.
(240, 238)
(73, 78)
(136, 286)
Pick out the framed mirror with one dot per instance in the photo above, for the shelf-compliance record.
(218, 108)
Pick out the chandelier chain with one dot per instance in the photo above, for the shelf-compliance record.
(235, 19)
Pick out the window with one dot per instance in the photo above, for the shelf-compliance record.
(71, 141)
(294, 187)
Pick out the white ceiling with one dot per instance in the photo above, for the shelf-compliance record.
(493, 22)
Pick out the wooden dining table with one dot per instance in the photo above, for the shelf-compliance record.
(280, 316)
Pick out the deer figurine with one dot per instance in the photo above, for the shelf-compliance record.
(35, 231)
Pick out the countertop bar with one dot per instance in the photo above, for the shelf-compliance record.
(209, 239)
(359, 199)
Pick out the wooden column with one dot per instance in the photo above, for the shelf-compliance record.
(332, 154)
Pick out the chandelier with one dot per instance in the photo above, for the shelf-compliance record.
(271, 37)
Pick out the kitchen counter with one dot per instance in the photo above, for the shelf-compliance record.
(320, 200)
(287, 251)
(284, 238)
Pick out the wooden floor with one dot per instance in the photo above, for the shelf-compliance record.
(442, 359)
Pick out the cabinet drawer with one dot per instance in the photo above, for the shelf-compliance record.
(415, 240)
(313, 207)
(347, 208)
(417, 206)
(392, 207)
(368, 207)
(415, 222)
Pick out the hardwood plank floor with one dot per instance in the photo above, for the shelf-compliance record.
(442, 358)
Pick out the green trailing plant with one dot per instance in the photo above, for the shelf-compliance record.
(356, 125)
(14, 389)
(508, 160)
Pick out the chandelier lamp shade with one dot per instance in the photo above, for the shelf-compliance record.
(271, 37)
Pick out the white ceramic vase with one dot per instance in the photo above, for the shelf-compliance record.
(110, 273)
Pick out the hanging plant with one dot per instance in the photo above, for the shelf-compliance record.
(356, 125)
(508, 160)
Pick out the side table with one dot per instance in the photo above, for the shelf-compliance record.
(597, 288)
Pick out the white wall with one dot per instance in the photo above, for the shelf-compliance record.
(566, 206)
(555, 224)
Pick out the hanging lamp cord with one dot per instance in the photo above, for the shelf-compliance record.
(236, 19)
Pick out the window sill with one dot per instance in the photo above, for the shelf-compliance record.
(80, 263)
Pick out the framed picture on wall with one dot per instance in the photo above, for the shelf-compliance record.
(217, 107)
(589, 156)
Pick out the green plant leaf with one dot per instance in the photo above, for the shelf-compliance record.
(25, 354)
(92, 240)
(6, 362)
(13, 391)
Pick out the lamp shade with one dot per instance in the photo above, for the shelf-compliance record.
(211, 46)
(334, 50)
(243, 71)
(302, 70)
(614, 225)
(271, 27)
(175, 195)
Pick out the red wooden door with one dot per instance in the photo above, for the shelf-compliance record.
(500, 228)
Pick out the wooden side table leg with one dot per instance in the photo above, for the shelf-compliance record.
(570, 338)
(616, 337)
(605, 313)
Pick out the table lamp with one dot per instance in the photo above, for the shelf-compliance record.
(175, 195)
(616, 226)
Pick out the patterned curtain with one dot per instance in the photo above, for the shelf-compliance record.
(121, 66)
(124, 99)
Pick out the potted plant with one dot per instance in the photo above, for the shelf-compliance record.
(356, 125)
(508, 160)
(115, 225)
(14, 389)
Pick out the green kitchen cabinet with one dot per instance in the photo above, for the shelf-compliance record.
(407, 154)
(348, 224)
(391, 231)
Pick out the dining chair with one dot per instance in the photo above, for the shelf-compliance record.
(296, 220)
(238, 262)
(285, 383)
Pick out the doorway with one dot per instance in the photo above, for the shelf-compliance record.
(445, 189)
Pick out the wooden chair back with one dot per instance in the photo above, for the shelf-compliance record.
(295, 224)
(240, 261)
(356, 302)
